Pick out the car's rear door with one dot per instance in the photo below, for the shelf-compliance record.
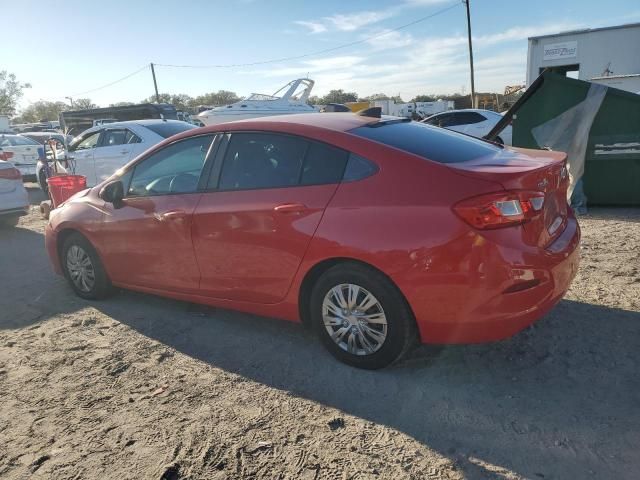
(146, 241)
(267, 196)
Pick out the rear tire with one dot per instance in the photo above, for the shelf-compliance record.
(42, 180)
(83, 268)
(374, 329)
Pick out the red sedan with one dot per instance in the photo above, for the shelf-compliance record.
(375, 231)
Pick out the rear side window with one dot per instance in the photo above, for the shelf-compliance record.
(323, 164)
(262, 160)
(431, 143)
(358, 168)
(168, 129)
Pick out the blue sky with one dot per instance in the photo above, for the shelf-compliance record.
(88, 44)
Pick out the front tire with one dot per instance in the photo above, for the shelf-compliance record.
(361, 317)
(83, 268)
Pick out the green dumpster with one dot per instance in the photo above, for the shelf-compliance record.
(603, 129)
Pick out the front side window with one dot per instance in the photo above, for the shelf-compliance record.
(262, 160)
(88, 142)
(174, 169)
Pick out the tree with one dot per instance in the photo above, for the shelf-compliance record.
(339, 96)
(42, 111)
(221, 97)
(10, 92)
(121, 104)
(376, 96)
(314, 100)
(424, 98)
(179, 100)
(83, 104)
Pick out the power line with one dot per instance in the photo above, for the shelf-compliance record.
(319, 52)
(111, 83)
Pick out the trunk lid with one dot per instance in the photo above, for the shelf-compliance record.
(530, 170)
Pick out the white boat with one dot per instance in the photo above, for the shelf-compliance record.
(260, 105)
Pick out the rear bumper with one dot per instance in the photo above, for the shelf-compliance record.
(475, 305)
(15, 212)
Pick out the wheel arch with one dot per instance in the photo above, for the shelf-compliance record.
(314, 273)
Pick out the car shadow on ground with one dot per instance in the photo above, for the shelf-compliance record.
(36, 195)
(560, 400)
(544, 404)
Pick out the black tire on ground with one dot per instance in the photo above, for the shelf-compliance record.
(42, 180)
(401, 328)
(101, 287)
(7, 222)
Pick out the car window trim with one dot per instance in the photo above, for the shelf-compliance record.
(132, 169)
(216, 172)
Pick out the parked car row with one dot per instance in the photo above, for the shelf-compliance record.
(99, 151)
(375, 231)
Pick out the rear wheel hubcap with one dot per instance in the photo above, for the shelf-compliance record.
(80, 268)
(354, 319)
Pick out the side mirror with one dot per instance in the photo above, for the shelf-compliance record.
(113, 192)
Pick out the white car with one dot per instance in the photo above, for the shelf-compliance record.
(99, 151)
(14, 201)
(474, 122)
(22, 152)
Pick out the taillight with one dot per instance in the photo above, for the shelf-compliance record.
(10, 173)
(5, 155)
(500, 209)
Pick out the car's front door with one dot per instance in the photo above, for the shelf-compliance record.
(146, 242)
(81, 157)
(252, 229)
(114, 151)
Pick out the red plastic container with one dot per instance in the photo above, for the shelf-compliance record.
(62, 187)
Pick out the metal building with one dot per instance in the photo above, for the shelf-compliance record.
(609, 55)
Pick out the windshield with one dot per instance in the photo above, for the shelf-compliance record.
(433, 143)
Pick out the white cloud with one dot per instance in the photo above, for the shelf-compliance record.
(388, 39)
(314, 27)
(403, 63)
(353, 21)
(522, 33)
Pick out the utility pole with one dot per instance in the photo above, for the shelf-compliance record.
(70, 101)
(473, 87)
(155, 84)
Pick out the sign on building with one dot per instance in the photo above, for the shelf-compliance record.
(555, 51)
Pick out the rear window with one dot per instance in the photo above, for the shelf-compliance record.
(15, 141)
(168, 129)
(432, 143)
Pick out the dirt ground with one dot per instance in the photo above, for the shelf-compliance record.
(139, 387)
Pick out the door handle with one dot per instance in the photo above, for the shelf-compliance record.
(172, 215)
(124, 152)
(290, 208)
